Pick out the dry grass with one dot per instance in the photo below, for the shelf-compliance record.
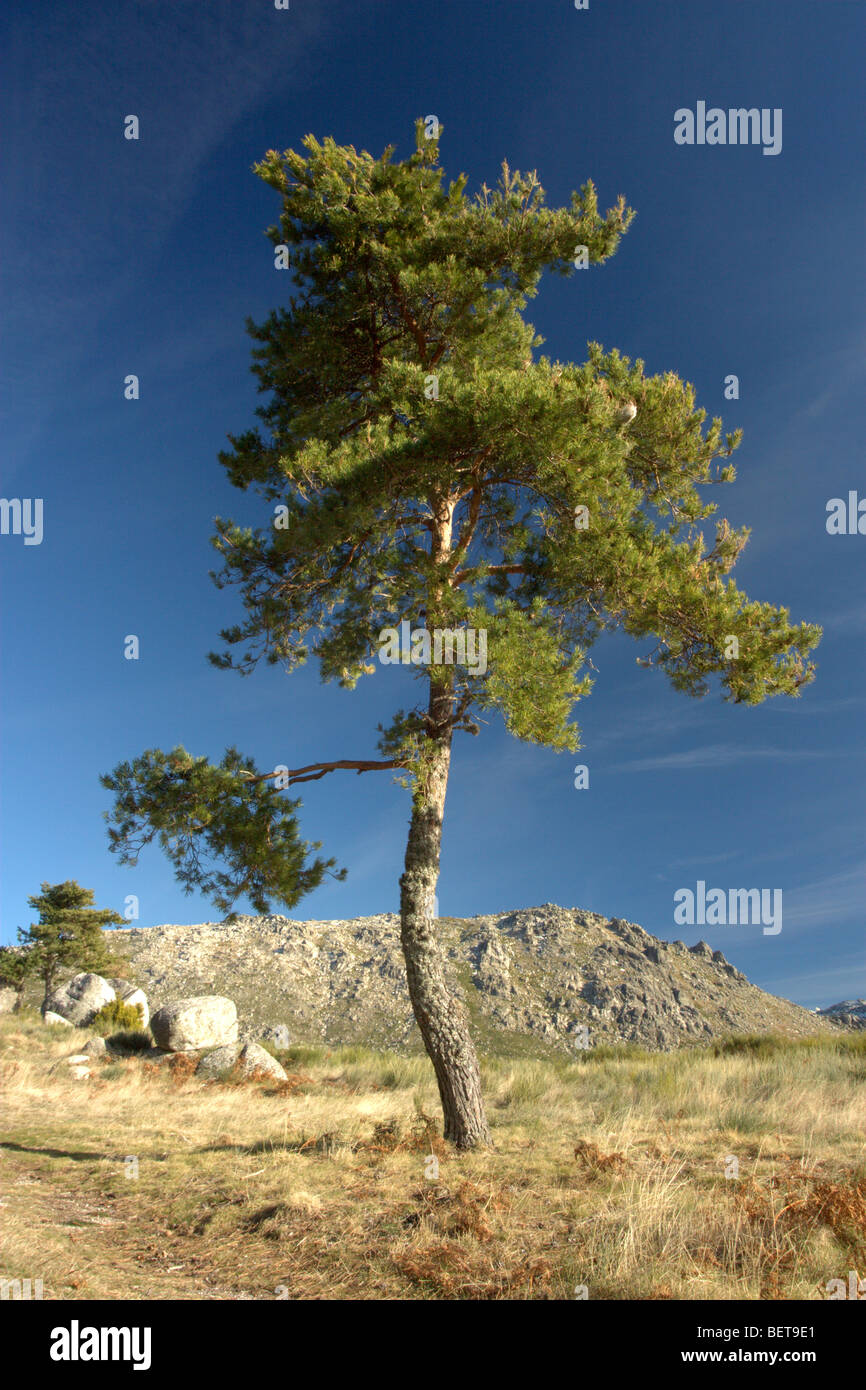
(608, 1173)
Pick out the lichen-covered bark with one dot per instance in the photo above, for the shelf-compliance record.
(440, 1016)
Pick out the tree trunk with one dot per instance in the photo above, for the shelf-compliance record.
(441, 1017)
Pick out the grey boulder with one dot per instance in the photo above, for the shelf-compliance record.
(8, 998)
(77, 1066)
(206, 1020)
(52, 1019)
(81, 998)
(249, 1060)
(278, 1034)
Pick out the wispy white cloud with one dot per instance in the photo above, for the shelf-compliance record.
(92, 211)
(647, 723)
(716, 755)
(702, 860)
(821, 988)
(818, 707)
(852, 619)
(819, 908)
(839, 898)
(844, 369)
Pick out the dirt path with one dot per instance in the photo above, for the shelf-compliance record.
(82, 1246)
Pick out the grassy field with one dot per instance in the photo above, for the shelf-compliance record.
(608, 1172)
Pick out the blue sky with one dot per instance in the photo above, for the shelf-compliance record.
(147, 256)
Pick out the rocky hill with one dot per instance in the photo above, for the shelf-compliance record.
(851, 1013)
(532, 980)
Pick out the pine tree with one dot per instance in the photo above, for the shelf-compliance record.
(14, 972)
(423, 464)
(68, 934)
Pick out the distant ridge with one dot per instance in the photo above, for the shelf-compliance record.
(851, 1013)
(532, 980)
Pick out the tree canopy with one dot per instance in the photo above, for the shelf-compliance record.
(422, 462)
(68, 934)
(424, 465)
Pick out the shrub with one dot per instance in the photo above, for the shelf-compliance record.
(117, 1015)
(130, 1040)
(748, 1044)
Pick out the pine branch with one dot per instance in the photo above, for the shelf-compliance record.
(314, 771)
